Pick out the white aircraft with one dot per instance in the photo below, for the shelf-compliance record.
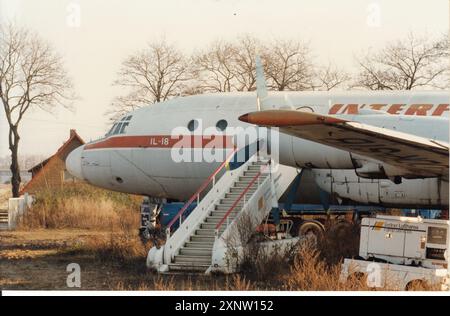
(385, 147)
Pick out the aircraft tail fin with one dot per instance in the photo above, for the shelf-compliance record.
(261, 87)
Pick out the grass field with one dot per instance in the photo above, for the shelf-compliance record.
(98, 229)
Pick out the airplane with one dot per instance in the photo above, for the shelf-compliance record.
(135, 156)
(386, 148)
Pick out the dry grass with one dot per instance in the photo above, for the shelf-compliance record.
(5, 194)
(122, 245)
(81, 206)
(339, 242)
(240, 283)
(311, 273)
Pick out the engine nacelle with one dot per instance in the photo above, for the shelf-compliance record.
(411, 193)
(371, 169)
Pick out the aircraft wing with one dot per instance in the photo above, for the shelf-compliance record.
(420, 156)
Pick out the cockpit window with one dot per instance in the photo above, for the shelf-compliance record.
(120, 126)
(122, 130)
(117, 130)
(112, 129)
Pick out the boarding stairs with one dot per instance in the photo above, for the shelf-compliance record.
(199, 244)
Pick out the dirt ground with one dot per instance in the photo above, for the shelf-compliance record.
(37, 260)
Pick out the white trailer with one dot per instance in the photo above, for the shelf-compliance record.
(398, 252)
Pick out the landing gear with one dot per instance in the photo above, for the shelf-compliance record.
(150, 230)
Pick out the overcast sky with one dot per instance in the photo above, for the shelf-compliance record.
(109, 30)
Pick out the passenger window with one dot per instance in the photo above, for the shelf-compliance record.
(192, 125)
(221, 125)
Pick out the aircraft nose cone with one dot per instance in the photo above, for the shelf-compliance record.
(73, 162)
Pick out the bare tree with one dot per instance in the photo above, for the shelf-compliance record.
(214, 68)
(228, 66)
(31, 76)
(414, 62)
(154, 74)
(329, 77)
(288, 65)
(247, 48)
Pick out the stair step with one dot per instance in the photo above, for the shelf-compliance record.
(203, 239)
(230, 201)
(188, 267)
(220, 213)
(251, 173)
(245, 183)
(240, 190)
(248, 178)
(192, 259)
(205, 232)
(234, 195)
(197, 244)
(213, 226)
(227, 207)
(255, 168)
(201, 252)
(260, 162)
(217, 219)
(242, 185)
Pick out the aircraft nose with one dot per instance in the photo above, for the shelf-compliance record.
(73, 162)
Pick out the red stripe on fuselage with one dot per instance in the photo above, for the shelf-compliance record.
(163, 141)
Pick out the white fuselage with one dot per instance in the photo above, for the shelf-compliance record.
(138, 156)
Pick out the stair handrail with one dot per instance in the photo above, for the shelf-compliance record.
(233, 206)
(196, 195)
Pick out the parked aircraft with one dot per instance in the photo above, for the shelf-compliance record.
(137, 154)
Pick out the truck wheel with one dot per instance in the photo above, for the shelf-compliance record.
(311, 230)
